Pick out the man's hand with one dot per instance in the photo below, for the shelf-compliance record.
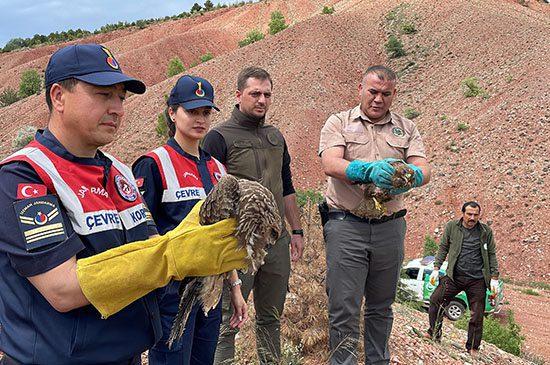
(434, 277)
(296, 247)
(494, 286)
(378, 172)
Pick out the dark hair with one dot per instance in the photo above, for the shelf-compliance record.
(67, 84)
(252, 72)
(169, 122)
(384, 73)
(472, 204)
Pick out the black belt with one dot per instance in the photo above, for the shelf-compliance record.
(342, 215)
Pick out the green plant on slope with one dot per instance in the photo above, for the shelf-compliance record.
(505, 336)
(394, 47)
(277, 23)
(175, 66)
(253, 36)
(31, 83)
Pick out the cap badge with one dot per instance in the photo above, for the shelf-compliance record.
(110, 59)
(199, 92)
(398, 132)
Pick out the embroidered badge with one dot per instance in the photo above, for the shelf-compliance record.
(398, 132)
(110, 59)
(40, 221)
(273, 138)
(199, 92)
(25, 191)
(125, 189)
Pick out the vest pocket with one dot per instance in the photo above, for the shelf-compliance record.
(245, 160)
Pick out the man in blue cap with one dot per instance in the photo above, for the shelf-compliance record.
(78, 267)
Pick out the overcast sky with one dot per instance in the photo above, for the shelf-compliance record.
(25, 18)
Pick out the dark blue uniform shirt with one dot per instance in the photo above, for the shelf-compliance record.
(168, 215)
(32, 331)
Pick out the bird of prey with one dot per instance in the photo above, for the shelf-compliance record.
(258, 226)
(372, 205)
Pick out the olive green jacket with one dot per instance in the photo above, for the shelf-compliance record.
(451, 245)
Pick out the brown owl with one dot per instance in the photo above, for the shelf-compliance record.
(372, 205)
(258, 225)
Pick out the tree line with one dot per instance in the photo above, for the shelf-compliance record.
(69, 35)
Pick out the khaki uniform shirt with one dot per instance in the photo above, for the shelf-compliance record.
(394, 136)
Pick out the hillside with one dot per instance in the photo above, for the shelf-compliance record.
(502, 158)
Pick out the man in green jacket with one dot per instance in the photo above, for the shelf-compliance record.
(254, 150)
(470, 248)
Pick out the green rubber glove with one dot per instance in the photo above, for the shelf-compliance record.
(117, 277)
(378, 172)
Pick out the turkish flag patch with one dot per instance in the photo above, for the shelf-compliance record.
(25, 191)
(139, 182)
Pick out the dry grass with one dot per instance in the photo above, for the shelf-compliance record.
(304, 324)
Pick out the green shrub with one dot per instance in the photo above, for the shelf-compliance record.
(411, 113)
(208, 5)
(408, 28)
(308, 196)
(462, 127)
(530, 291)
(394, 47)
(24, 135)
(506, 336)
(430, 246)
(206, 57)
(328, 10)
(196, 8)
(539, 285)
(162, 127)
(193, 64)
(175, 66)
(8, 96)
(252, 36)
(277, 23)
(453, 147)
(444, 118)
(30, 84)
(471, 88)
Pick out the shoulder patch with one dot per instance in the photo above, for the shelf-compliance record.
(25, 191)
(40, 221)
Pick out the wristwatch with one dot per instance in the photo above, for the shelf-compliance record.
(236, 283)
(298, 231)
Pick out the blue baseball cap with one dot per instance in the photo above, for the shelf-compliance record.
(91, 63)
(192, 92)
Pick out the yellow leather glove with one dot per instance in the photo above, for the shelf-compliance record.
(115, 278)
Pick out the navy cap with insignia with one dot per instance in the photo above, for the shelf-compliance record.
(192, 92)
(91, 63)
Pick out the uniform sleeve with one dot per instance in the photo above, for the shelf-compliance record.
(416, 147)
(215, 145)
(35, 232)
(331, 134)
(444, 244)
(286, 174)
